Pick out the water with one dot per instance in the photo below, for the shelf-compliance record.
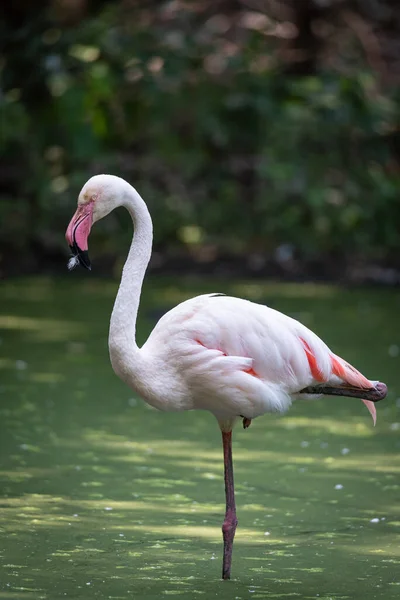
(103, 497)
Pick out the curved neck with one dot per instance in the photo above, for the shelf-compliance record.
(122, 337)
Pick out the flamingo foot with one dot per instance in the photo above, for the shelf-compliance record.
(246, 422)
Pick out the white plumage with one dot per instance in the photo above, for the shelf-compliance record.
(231, 357)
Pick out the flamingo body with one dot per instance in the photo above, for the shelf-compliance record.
(231, 357)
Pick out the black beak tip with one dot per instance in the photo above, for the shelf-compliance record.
(83, 256)
(84, 261)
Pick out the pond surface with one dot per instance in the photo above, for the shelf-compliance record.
(103, 497)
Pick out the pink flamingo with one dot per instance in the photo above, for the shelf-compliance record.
(230, 356)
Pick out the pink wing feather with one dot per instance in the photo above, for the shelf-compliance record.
(342, 369)
(350, 375)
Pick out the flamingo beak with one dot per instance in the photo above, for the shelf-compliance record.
(77, 234)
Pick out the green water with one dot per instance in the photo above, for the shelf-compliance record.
(103, 497)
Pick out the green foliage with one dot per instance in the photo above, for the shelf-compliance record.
(211, 135)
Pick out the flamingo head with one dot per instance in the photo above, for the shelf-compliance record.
(98, 197)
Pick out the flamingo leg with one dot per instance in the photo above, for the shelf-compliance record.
(230, 521)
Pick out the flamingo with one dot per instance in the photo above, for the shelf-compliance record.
(230, 356)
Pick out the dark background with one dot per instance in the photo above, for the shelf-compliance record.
(263, 134)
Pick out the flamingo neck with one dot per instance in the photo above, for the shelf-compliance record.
(124, 352)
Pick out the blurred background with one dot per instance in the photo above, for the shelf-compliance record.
(263, 134)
